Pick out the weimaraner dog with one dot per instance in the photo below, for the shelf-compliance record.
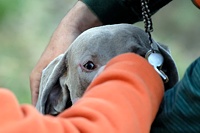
(66, 78)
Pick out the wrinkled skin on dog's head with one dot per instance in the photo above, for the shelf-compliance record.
(66, 78)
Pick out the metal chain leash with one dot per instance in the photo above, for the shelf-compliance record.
(153, 56)
(148, 25)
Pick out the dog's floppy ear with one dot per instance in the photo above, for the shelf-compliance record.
(52, 91)
(168, 67)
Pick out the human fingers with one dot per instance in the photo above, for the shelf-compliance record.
(34, 85)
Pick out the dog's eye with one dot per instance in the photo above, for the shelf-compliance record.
(89, 65)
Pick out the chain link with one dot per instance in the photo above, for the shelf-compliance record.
(148, 25)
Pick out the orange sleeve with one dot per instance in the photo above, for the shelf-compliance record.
(124, 98)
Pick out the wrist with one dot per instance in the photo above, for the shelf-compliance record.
(81, 18)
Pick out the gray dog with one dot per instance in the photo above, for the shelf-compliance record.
(66, 78)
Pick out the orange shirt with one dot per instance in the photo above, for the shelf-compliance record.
(124, 98)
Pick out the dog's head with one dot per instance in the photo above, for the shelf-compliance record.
(66, 78)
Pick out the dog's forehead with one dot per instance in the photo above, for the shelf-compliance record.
(107, 37)
(105, 42)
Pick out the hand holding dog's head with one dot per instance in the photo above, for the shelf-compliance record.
(66, 78)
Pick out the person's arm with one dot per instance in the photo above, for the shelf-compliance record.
(124, 98)
(79, 19)
(122, 11)
(179, 111)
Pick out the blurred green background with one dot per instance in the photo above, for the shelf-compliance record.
(26, 27)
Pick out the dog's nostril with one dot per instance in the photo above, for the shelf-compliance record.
(68, 104)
